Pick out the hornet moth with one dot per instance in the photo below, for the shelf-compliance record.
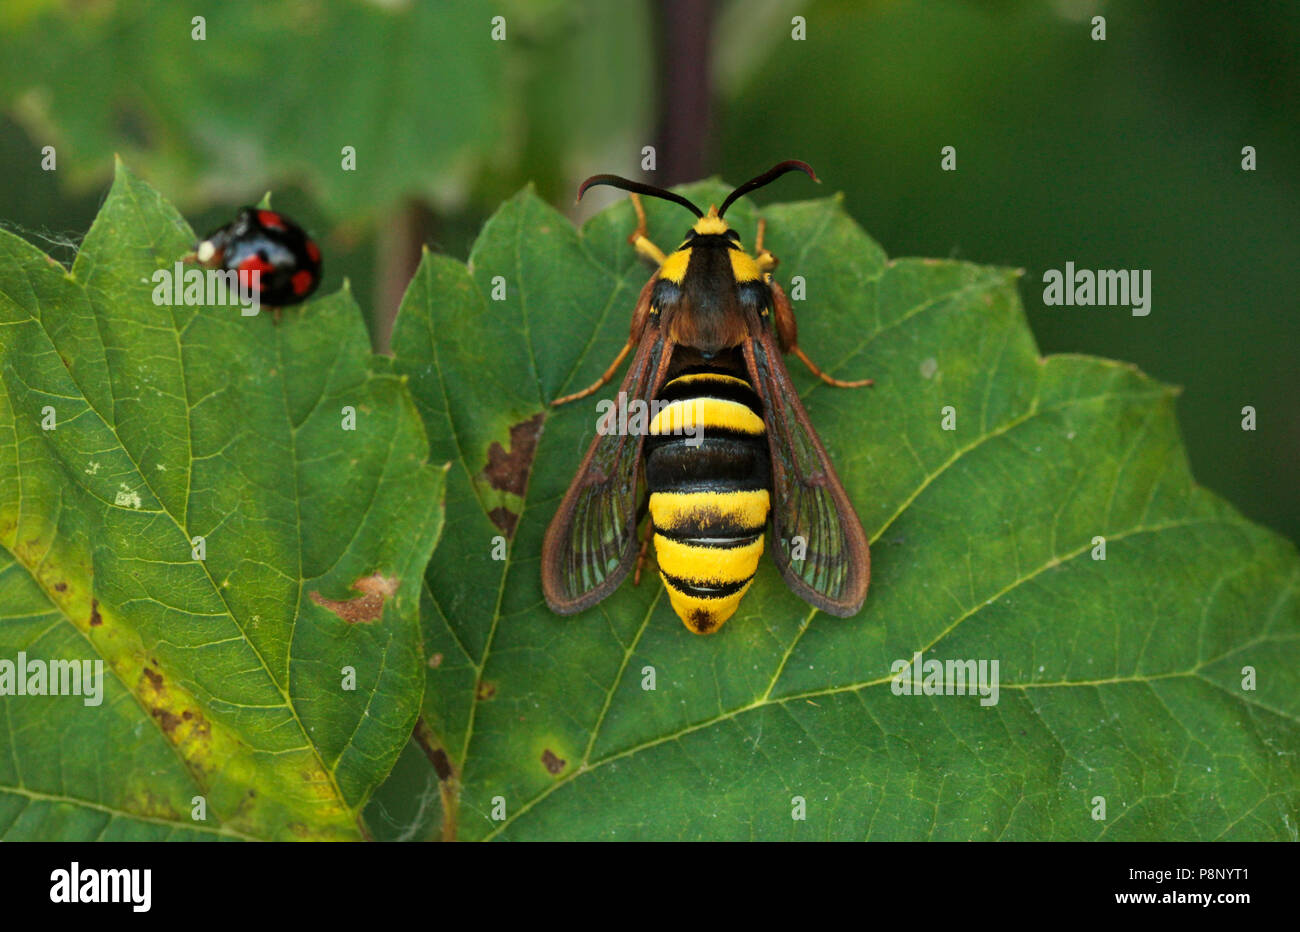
(708, 334)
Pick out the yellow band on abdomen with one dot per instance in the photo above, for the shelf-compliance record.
(683, 512)
(716, 413)
(705, 565)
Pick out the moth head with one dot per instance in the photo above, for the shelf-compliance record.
(712, 224)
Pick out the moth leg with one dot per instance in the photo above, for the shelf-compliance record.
(766, 261)
(639, 239)
(595, 386)
(788, 335)
(639, 318)
(646, 534)
(838, 383)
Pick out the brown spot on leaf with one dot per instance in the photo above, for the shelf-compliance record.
(366, 608)
(428, 743)
(95, 618)
(166, 719)
(552, 762)
(152, 677)
(485, 691)
(505, 519)
(441, 763)
(508, 471)
(60, 587)
(435, 661)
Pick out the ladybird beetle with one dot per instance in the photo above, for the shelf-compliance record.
(268, 242)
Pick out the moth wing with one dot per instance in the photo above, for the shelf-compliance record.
(590, 544)
(809, 505)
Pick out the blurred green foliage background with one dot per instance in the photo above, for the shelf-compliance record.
(1123, 153)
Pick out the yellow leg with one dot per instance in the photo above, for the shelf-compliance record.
(838, 383)
(766, 261)
(788, 334)
(648, 249)
(595, 386)
(639, 239)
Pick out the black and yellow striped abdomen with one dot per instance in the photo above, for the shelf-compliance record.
(708, 474)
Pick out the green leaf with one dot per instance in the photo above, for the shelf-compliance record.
(274, 92)
(1119, 678)
(223, 676)
(267, 94)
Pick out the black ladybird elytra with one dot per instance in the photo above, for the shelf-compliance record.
(267, 242)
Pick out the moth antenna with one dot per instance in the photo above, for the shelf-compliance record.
(637, 187)
(773, 173)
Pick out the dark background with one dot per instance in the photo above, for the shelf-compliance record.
(1115, 154)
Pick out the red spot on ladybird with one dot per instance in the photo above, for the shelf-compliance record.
(270, 219)
(301, 282)
(313, 251)
(254, 264)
